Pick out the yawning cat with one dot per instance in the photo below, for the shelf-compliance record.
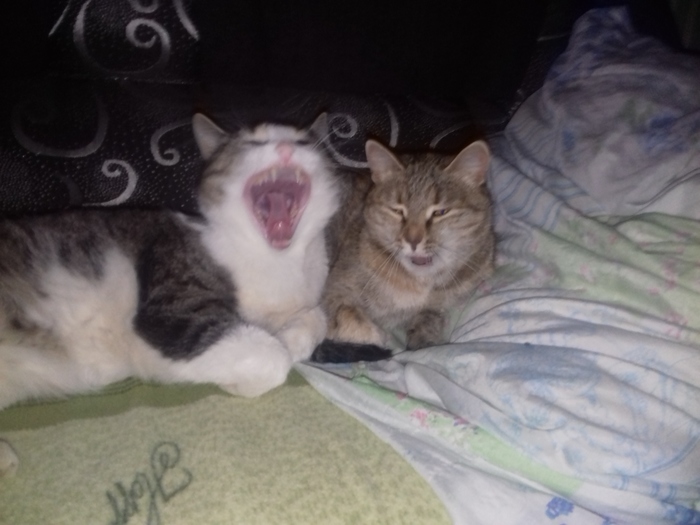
(415, 241)
(88, 297)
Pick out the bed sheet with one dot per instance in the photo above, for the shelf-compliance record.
(571, 390)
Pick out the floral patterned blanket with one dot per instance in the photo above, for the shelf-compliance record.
(571, 390)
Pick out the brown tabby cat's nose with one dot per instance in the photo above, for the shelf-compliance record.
(413, 235)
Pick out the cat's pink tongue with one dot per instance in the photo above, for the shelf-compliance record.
(279, 221)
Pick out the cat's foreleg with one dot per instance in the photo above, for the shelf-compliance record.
(247, 361)
(303, 333)
(350, 324)
(424, 329)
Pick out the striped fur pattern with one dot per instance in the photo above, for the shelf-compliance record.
(418, 243)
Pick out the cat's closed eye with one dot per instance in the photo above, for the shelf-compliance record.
(437, 211)
(398, 209)
(255, 142)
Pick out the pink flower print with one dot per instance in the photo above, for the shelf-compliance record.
(459, 422)
(421, 416)
(484, 288)
(678, 321)
(670, 273)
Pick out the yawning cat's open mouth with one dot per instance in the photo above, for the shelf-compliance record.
(277, 198)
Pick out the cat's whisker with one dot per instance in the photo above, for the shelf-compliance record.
(396, 264)
(320, 141)
(235, 123)
(462, 256)
(452, 275)
(375, 275)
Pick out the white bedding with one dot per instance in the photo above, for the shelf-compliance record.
(571, 391)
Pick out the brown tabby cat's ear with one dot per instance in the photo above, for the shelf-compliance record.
(208, 135)
(471, 164)
(382, 162)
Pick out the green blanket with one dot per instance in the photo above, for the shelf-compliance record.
(145, 454)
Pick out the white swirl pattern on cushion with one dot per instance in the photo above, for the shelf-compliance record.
(115, 168)
(170, 156)
(19, 113)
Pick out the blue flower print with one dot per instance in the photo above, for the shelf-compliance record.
(558, 507)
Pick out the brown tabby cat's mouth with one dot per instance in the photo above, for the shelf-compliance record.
(422, 260)
(277, 198)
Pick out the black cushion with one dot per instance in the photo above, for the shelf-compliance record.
(97, 111)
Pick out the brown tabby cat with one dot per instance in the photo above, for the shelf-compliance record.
(411, 243)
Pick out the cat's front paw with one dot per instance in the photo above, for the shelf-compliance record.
(303, 333)
(8, 460)
(425, 329)
(262, 370)
(353, 326)
(246, 362)
(267, 370)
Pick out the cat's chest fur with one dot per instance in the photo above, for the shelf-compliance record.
(271, 287)
(266, 199)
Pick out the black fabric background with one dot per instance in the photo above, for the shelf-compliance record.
(449, 50)
(108, 123)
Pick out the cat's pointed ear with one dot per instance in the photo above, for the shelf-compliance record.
(471, 164)
(320, 126)
(382, 163)
(208, 135)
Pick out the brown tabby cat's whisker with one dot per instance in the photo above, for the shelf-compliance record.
(463, 257)
(376, 275)
(452, 275)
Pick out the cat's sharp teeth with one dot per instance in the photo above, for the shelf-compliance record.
(297, 175)
(273, 174)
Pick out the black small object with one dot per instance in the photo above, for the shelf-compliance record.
(343, 352)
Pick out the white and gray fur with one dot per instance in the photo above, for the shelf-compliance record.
(89, 297)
